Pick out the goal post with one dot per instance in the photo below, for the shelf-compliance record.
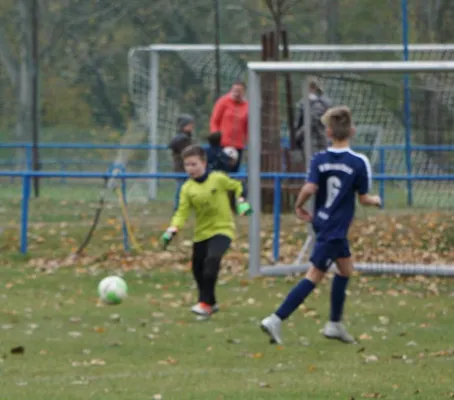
(333, 70)
(168, 79)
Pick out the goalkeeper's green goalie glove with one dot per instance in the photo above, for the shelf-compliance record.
(167, 236)
(243, 207)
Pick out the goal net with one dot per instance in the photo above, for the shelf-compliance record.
(166, 80)
(416, 129)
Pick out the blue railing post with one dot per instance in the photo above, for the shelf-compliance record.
(24, 213)
(125, 230)
(276, 218)
(382, 171)
(407, 105)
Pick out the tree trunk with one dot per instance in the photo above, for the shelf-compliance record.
(333, 35)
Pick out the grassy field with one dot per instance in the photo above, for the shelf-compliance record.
(151, 345)
(56, 341)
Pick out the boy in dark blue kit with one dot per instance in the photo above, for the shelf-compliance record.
(335, 177)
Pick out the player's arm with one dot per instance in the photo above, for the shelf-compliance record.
(216, 116)
(364, 185)
(229, 184)
(308, 190)
(369, 200)
(179, 218)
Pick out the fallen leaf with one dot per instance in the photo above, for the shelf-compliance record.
(372, 396)
(18, 350)
(442, 353)
(361, 350)
(370, 358)
(97, 361)
(115, 318)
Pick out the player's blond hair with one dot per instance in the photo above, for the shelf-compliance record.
(339, 121)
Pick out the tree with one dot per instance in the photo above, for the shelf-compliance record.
(20, 67)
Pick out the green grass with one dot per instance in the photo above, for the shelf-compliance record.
(75, 350)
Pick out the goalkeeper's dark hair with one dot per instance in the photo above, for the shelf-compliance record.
(339, 121)
(194, 151)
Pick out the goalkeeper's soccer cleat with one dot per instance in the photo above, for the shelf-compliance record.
(214, 308)
(243, 208)
(202, 309)
(167, 236)
(272, 327)
(335, 330)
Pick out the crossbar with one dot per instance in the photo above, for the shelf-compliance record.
(237, 48)
(355, 66)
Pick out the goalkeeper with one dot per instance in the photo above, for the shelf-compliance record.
(205, 193)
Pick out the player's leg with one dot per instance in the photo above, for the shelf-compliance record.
(217, 247)
(199, 251)
(334, 329)
(320, 263)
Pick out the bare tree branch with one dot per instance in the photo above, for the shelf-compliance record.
(270, 5)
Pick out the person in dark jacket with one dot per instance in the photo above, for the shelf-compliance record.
(218, 159)
(319, 104)
(183, 139)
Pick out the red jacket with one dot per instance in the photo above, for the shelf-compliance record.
(231, 119)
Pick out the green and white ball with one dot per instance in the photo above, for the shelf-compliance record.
(112, 290)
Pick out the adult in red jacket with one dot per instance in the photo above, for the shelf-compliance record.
(230, 119)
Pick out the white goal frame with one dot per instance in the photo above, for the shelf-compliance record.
(155, 50)
(254, 142)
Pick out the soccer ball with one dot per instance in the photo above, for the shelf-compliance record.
(231, 152)
(112, 290)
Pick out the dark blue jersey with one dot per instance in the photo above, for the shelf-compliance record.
(339, 175)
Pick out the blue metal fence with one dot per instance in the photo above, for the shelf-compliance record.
(27, 176)
(380, 176)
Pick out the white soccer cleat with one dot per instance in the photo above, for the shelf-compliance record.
(272, 327)
(335, 330)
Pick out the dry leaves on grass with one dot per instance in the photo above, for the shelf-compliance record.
(381, 238)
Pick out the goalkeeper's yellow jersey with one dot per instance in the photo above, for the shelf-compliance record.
(210, 202)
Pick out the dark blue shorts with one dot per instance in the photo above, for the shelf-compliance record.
(325, 253)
